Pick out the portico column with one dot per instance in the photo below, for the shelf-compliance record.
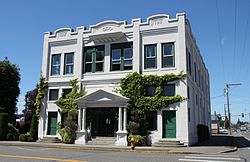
(83, 119)
(81, 134)
(125, 119)
(120, 119)
(79, 119)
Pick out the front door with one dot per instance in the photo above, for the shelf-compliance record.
(52, 122)
(169, 124)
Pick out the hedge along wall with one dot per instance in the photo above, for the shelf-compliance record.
(3, 125)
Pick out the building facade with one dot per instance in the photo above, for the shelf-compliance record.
(105, 53)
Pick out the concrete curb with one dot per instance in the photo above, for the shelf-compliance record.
(111, 149)
(230, 150)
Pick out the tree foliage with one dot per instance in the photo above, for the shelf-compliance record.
(69, 106)
(134, 85)
(41, 92)
(67, 103)
(9, 88)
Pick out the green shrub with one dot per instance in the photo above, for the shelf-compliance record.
(13, 133)
(138, 139)
(34, 128)
(3, 125)
(22, 137)
(11, 137)
(68, 133)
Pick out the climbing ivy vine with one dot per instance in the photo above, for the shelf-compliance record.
(134, 85)
(40, 94)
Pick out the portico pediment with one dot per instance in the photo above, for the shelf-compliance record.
(102, 98)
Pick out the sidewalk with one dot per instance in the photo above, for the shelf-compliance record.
(216, 144)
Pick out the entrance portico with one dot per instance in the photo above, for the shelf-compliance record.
(104, 101)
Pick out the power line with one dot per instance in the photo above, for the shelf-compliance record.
(245, 38)
(221, 49)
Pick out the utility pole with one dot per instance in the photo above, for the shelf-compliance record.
(225, 114)
(228, 109)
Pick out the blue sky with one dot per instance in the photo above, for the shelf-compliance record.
(221, 29)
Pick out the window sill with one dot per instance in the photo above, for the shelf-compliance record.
(107, 73)
(52, 101)
(168, 68)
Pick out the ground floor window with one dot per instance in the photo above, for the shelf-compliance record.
(151, 117)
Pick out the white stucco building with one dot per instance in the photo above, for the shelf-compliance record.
(106, 52)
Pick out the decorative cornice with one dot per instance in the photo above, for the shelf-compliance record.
(159, 31)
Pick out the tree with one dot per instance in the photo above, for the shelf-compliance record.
(9, 88)
(41, 92)
(69, 107)
(30, 108)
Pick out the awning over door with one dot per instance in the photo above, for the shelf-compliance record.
(102, 98)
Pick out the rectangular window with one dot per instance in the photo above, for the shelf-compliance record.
(151, 117)
(195, 73)
(196, 99)
(55, 64)
(189, 118)
(93, 59)
(188, 92)
(150, 91)
(150, 56)
(121, 56)
(169, 90)
(65, 92)
(168, 55)
(69, 63)
(189, 63)
(53, 94)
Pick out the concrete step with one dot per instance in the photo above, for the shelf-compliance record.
(49, 140)
(102, 141)
(168, 143)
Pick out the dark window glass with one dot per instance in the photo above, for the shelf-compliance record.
(151, 117)
(150, 91)
(169, 90)
(188, 92)
(189, 63)
(69, 63)
(53, 94)
(168, 55)
(64, 119)
(94, 59)
(150, 56)
(65, 92)
(121, 56)
(56, 62)
(189, 117)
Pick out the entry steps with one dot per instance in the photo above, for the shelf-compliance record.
(102, 141)
(49, 140)
(168, 143)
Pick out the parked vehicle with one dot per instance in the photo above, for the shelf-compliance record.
(243, 128)
(222, 130)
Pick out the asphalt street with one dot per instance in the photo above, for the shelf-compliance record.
(38, 154)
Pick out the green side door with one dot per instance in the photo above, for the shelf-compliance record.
(169, 124)
(52, 122)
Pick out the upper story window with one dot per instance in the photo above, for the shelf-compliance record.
(65, 92)
(150, 91)
(168, 55)
(53, 94)
(93, 59)
(169, 90)
(55, 64)
(69, 63)
(150, 56)
(121, 56)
